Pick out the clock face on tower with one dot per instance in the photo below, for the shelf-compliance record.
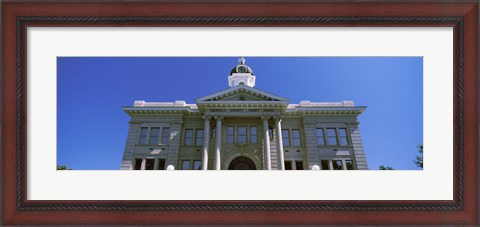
(242, 69)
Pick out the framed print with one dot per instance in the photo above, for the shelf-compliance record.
(64, 62)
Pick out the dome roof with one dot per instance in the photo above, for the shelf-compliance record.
(238, 69)
(241, 67)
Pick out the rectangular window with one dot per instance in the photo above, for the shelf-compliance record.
(320, 137)
(143, 135)
(197, 165)
(230, 136)
(149, 164)
(299, 165)
(337, 164)
(199, 137)
(161, 164)
(288, 165)
(342, 132)
(253, 135)
(296, 137)
(325, 165)
(213, 133)
(165, 135)
(270, 133)
(241, 134)
(349, 164)
(285, 137)
(185, 164)
(138, 164)
(331, 136)
(189, 137)
(154, 134)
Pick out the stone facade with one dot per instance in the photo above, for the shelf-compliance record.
(244, 128)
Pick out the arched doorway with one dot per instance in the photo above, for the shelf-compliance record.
(242, 163)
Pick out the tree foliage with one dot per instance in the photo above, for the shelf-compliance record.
(64, 167)
(382, 167)
(419, 158)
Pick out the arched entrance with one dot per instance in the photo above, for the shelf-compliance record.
(242, 163)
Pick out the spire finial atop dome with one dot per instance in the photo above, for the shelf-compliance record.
(241, 60)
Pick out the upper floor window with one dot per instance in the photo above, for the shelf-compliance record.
(151, 135)
(342, 133)
(253, 135)
(241, 134)
(154, 135)
(296, 137)
(285, 137)
(143, 135)
(188, 136)
(332, 136)
(320, 137)
(230, 136)
(165, 135)
(199, 137)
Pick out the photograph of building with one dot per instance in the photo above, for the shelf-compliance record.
(243, 128)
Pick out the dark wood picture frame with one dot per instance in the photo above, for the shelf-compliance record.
(462, 16)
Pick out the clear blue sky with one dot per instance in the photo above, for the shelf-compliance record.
(92, 128)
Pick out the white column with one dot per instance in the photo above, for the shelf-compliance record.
(206, 138)
(218, 144)
(280, 159)
(144, 163)
(344, 165)
(330, 164)
(266, 145)
(155, 166)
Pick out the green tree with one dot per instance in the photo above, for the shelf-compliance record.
(382, 167)
(64, 167)
(419, 158)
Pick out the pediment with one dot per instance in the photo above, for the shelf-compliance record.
(241, 93)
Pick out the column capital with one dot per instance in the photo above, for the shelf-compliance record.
(265, 117)
(206, 117)
(218, 117)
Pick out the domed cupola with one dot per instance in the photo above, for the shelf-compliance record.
(241, 74)
(241, 67)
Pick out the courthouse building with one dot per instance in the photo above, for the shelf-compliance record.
(244, 128)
